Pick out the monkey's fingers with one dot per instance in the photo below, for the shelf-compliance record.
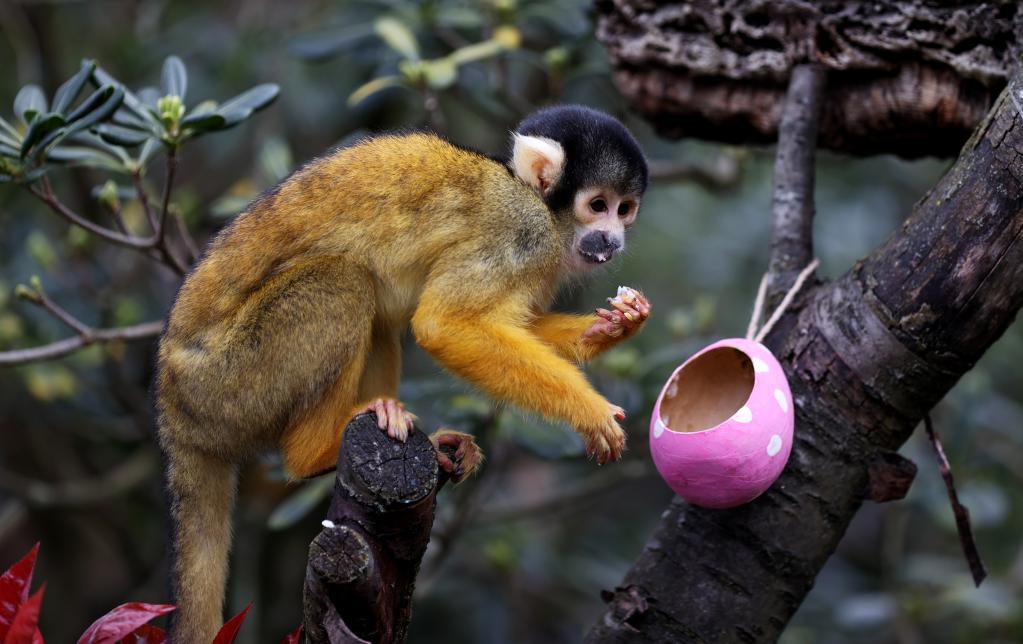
(467, 456)
(618, 412)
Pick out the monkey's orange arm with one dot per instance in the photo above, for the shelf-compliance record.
(564, 333)
(503, 357)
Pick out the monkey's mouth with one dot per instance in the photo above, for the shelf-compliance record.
(597, 258)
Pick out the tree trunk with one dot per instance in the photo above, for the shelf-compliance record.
(905, 77)
(866, 357)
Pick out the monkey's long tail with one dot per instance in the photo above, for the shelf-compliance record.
(202, 492)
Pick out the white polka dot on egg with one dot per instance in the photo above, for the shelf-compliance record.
(783, 402)
(658, 428)
(774, 445)
(759, 365)
(744, 415)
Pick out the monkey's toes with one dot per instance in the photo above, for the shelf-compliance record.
(465, 458)
(392, 417)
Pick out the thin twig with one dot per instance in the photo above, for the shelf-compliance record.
(962, 514)
(40, 298)
(47, 196)
(70, 345)
(793, 204)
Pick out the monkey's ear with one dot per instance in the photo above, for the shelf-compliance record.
(538, 161)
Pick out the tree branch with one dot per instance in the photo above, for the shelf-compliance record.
(793, 199)
(866, 358)
(70, 345)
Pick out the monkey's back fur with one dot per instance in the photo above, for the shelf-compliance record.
(266, 346)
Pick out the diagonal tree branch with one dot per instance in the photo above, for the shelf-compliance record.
(70, 345)
(867, 357)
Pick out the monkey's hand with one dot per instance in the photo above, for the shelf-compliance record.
(467, 455)
(606, 442)
(629, 310)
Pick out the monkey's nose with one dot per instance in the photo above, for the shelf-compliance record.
(598, 246)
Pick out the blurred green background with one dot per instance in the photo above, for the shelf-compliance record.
(520, 553)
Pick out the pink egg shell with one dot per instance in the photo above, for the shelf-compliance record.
(732, 431)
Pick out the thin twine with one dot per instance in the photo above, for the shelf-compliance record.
(758, 306)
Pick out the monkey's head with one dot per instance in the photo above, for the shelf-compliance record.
(587, 167)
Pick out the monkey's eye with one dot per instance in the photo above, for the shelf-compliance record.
(624, 209)
(598, 205)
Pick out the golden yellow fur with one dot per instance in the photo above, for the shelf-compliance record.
(292, 321)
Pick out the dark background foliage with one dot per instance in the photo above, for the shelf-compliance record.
(521, 552)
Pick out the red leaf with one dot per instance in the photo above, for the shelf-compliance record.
(294, 637)
(121, 621)
(25, 627)
(146, 634)
(14, 586)
(229, 631)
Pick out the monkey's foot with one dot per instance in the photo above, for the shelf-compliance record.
(467, 454)
(607, 442)
(629, 310)
(391, 417)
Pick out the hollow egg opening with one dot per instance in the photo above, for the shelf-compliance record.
(708, 391)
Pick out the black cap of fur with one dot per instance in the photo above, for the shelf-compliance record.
(599, 151)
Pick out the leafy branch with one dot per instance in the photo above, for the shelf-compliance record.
(119, 131)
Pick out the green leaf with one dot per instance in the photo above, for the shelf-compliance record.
(322, 45)
(149, 148)
(100, 113)
(9, 129)
(83, 156)
(91, 140)
(252, 100)
(117, 135)
(67, 92)
(29, 103)
(40, 128)
(9, 151)
(131, 100)
(92, 102)
(301, 503)
(204, 122)
(441, 73)
(174, 78)
(398, 37)
(372, 87)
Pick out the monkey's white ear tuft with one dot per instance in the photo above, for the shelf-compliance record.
(538, 161)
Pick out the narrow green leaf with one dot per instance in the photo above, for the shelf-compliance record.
(149, 148)
(9, 129)
(398, 37)
(10, 140)
(117, 135)
(83, 157)
(91, 140)
(441, 73)
(29, 102)
(9, 151)
(204, 122)
(372, 87)
(131, 100)
(100, 113)
(40, 128)
(253, 99)
(93, 101)
(149, 96)
(67, 92)
(174, 78)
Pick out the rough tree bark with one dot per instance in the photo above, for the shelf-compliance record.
(900, 71)
(362, 566)
(866, 356)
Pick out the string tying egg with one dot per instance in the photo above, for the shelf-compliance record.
(721, 429)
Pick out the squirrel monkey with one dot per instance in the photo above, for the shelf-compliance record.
(291, 323)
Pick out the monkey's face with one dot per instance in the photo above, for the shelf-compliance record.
(602, 216)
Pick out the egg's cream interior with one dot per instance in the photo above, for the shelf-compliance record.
(708, 390)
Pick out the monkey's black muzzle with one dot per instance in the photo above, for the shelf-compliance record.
(598, 247)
